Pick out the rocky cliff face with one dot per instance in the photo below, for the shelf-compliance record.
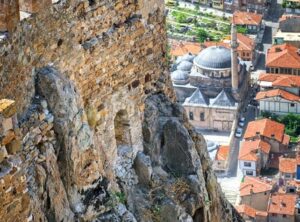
(89, 128)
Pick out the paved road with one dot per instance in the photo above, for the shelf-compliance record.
(232, 168)
(272, 25)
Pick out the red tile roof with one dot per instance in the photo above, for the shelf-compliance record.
(180, 48)
(222, 153)
(280, 79)
(249, 148)
(246, 18)
(245, 43)
(282, 204)
(252, 185)
(285, 17)
(245, 209)
(285, 56)
(287, 165)
(277, 93)
(265, 127)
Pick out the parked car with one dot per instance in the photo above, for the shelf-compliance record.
(238, 132)
(242, 121)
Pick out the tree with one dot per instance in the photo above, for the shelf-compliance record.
(181, 18)
(202, 35)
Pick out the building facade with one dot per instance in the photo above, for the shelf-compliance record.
(283, 59)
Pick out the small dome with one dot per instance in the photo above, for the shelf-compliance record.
(180, 77)
(188, 57)
(185, 66)
(214, 57)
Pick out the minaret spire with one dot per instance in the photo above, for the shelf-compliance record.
(234, 59)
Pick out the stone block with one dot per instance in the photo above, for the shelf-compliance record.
(14, 146)
(7, 108)
(6, 125)
(3, 153)
(9, 136)
(143, 169)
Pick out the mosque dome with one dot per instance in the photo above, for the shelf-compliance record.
(185, 66)
(214, 57)
(188, 57)
(179, 77)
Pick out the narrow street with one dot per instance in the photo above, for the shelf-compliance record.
(230, 184)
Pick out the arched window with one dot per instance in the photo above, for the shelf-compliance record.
(122, 129)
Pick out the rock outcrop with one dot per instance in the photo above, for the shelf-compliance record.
(89, 130)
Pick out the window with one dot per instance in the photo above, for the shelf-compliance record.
(202, 115)
(287, 175)
(298, 210)
(247, 164)
(283, 215)
(274, 215)
(292, 104)
(191, 114)
(292, 190)
(265, 193)
(249, 173)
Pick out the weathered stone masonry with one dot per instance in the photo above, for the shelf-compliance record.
(92, 129)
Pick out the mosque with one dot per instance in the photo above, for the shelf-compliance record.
(211, 86)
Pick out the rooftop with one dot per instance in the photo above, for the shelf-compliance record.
(287, 165)
(277, 93)
(265, 127)
(286, 17)
(245, 209)
(222, 153)
(246, 18)
(282, 204)
(283, 80)
(284, 55)
(214, 57)
(248, 149)
(245, 43)
(252, 185)
(180, 48)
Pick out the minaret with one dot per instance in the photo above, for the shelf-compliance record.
(234, 59)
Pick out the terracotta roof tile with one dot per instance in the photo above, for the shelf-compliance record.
(261, 213)
(254, 185)
(245, 43)
(180, 48)
(287, 165)
(284, 56)
(282, 204)
(246, 210)
(246, 18)
(265, 127)
(280, 79)
(248, 149)
(222, 153)
(285, 17)
(277, 93)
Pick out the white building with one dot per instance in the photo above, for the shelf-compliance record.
(279, 93)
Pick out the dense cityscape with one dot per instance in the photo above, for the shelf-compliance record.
(236, 71)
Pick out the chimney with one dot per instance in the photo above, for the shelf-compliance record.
(234, 59)
(277, 49)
